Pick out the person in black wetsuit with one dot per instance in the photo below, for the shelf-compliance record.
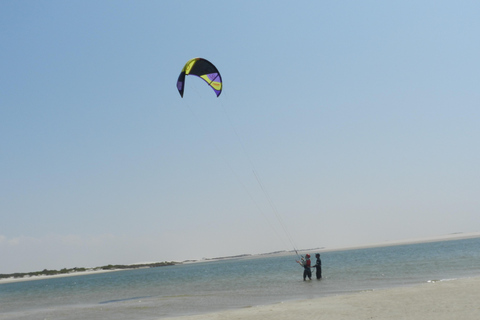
(318, 266)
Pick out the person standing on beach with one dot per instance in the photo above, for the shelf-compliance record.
(318, 266)
(306, 267)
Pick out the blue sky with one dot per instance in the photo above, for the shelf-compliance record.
(360, 120)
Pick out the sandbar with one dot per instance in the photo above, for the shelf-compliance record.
(62, 275)
(441, 300)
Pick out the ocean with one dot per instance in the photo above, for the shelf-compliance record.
(196, 288)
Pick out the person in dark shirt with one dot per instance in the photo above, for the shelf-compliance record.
(318, 266)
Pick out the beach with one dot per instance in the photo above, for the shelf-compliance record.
(441, 300)
(427, 280)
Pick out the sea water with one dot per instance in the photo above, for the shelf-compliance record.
(170, 291)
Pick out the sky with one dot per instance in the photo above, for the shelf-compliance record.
(341, 123)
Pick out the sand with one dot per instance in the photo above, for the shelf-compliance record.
(443, 300)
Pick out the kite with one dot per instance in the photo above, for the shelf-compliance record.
(201, 68)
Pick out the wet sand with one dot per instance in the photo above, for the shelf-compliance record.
(442, 300)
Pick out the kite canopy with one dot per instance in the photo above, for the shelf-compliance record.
(201, 68)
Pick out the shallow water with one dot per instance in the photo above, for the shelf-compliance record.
(206, 287)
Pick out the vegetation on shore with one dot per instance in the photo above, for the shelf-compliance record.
(46, 272)
(66, 271)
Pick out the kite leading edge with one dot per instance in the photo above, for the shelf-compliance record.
(201, 68)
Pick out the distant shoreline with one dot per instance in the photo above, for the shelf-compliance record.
(9, 278)
(447, 237)
(47, 274)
